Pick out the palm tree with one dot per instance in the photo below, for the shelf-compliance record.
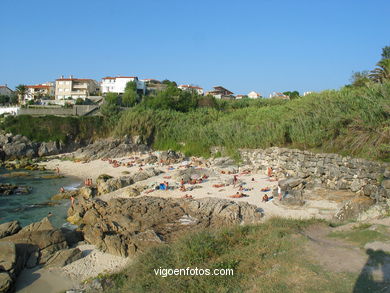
(21, 91)
(382, 72)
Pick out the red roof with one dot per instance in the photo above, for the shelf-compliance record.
(190, 86)
(38, 86)
(108, 77)
(75, 79)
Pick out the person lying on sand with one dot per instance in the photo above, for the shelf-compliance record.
(238, 195)
(218, 185)
(265, 189)
(187, 196)
(267, 198)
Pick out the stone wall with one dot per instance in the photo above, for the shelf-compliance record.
(326, 170)
(76, 110)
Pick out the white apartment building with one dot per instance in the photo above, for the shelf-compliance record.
(190, 88)
(75, 88)
(39, 91)
(118, 84)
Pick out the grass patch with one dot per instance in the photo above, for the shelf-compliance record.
(267, 257)
(362, 234)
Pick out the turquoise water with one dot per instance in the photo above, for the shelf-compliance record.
(33, 207)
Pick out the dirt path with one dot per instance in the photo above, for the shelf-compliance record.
(371, 266)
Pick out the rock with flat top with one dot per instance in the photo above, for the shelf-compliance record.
(9, 228)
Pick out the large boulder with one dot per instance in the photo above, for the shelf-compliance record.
(63, 257)
(41, 236)
(5, 282)
(48, 148)
(9, 228)
(123, 226)
(352, 208)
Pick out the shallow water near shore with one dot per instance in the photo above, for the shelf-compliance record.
(34, 206)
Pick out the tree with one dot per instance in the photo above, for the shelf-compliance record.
(79, 101)
(386, 52)
(382, 72)
(169, 82)
(360, 78)
(130, 96)
(21, 91)
(112, 99)
(292, 95)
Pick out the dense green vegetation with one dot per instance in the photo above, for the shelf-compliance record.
(54, 128)
(351, 121)
(268, 257)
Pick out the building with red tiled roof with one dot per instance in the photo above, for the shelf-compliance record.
(39, 90)
(187, 87)
(220, 92)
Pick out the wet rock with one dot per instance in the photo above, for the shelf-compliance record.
(9, 228)
(10, 189)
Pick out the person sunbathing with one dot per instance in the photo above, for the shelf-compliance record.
(265, 189)
(218, 185)
(265, 198)
(187, 196)
(193, 181)
(237, 195)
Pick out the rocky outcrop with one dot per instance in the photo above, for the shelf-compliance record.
(106, 184)
(123, 226)
(325, 170)
(10, 189)
(63, 257)
(110, 148)
(18, 147)
(9, 228)
(10, 265)
(353, 208)
(36, 244)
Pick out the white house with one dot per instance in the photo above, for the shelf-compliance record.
(187, 87)
(276, 95)
(254, 95)
(118, 84)
(39, 90)
(5, 90)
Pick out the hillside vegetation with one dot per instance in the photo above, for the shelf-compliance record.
(54, 128)
(351, 121)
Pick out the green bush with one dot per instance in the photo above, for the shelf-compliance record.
(351, 121)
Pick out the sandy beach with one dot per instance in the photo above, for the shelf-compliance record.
(252, 184)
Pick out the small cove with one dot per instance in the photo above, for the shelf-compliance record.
(33, 207)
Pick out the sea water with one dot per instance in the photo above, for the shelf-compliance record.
(32, 207)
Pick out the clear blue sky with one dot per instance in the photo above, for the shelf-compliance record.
(264, 45)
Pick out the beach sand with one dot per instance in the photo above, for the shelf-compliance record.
(96, 262)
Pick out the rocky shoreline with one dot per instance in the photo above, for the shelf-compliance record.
(123, 212)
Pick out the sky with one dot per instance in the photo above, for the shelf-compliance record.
(263, 45)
